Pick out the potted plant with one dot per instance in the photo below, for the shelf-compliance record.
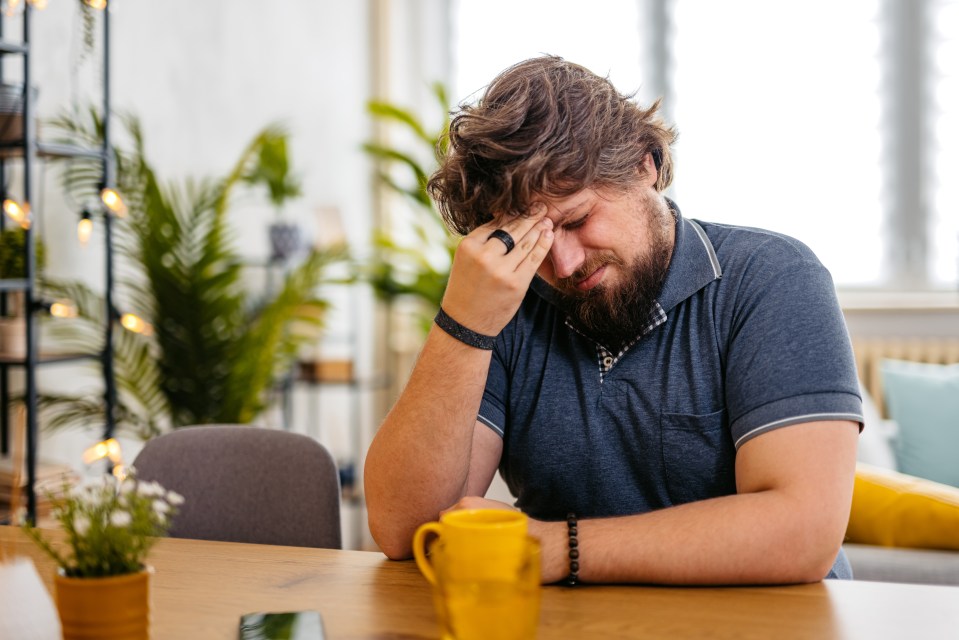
(102, 580)
(273, 170)
(218, 349)
(13, 266)
(415, 264)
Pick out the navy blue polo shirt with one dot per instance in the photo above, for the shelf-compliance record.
(747, 337)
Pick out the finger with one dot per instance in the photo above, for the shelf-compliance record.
(528, 243)
(534, 258)
(517, 227)
(514, 224)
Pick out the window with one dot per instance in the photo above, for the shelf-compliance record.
(491, 35)
(778, 112)
(833, 122)
(944, 58)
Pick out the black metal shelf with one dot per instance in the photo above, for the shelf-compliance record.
(48, 358)
(49, 150)
(27, 151)
(14, 284)
(13, 47)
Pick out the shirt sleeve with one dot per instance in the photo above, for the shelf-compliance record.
(789, 358)
(492, 411)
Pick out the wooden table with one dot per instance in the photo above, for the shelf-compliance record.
(200, 589)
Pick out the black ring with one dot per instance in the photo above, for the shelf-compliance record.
(504, 237)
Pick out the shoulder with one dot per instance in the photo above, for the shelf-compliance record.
(741, 246)
(753, 257)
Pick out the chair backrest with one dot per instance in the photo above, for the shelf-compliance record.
(247, 484)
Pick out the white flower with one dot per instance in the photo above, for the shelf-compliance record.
(161, 507)
(174, 498)
(128, 485)
(121, 518)
(81, 524)
(150, 489)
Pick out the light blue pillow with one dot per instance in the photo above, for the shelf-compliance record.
(924, 400)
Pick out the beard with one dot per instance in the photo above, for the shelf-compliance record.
(614, 315)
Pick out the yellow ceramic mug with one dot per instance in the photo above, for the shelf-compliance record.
(481, 543)
(502, 608)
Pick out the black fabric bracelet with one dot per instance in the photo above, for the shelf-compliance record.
(573, 578)
(463, 334)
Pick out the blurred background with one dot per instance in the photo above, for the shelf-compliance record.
(834, 122)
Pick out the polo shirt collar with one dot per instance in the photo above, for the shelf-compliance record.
(692, 266)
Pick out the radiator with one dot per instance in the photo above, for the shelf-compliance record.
(871, 351)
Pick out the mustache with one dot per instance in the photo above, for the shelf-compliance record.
(591, 264)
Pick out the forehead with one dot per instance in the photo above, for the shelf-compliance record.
(558, 209)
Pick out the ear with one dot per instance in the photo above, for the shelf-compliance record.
(651, 163)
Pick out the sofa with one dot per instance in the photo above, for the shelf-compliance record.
(904, 527)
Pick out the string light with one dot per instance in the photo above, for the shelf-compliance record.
(136, 324)
(106, 449)
(19, 213)
(85, 227)
(14, 7)
(113, 201)
(63, 309)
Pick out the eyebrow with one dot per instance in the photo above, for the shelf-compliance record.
(569, 211)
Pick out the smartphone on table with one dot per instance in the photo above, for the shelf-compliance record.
(290, 625)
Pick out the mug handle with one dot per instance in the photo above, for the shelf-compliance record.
(419, 549)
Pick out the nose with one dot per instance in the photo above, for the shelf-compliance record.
(566, 255)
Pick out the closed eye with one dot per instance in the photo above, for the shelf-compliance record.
(576, 224)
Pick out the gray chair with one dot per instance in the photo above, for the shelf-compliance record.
(247, 484)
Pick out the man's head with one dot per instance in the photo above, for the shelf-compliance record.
(548, 131)
(545, 128)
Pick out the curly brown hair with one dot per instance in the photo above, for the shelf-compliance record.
(544, 128)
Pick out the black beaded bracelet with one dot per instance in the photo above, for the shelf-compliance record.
(463, 334)
(573, 577)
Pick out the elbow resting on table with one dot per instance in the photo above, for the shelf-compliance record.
(395, 544)
(811, 558)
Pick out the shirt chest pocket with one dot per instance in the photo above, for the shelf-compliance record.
(698, 456)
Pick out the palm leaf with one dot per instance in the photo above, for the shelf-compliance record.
(398, 268)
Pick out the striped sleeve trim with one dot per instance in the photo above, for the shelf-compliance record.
(785, 422)
(492, 425)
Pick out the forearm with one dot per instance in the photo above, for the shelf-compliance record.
(419, 461)
(751, 538)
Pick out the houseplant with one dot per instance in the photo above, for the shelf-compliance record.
(273, 171)
(217, 349)
(413, 255)
(102, 581)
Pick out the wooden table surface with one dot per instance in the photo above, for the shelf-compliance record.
(200, 589)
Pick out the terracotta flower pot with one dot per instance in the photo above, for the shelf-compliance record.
(104, 608)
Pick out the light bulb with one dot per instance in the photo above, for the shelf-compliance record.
(38, 4)
(113, 451)
(85, 227)
(136, 324)
(113, 201)
(12, 7)
(99, 5)
(106, 449)
(17, 212)
(63, 309)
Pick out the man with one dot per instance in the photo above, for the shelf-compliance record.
(670, 401)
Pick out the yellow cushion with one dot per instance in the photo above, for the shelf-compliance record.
(898, 510)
